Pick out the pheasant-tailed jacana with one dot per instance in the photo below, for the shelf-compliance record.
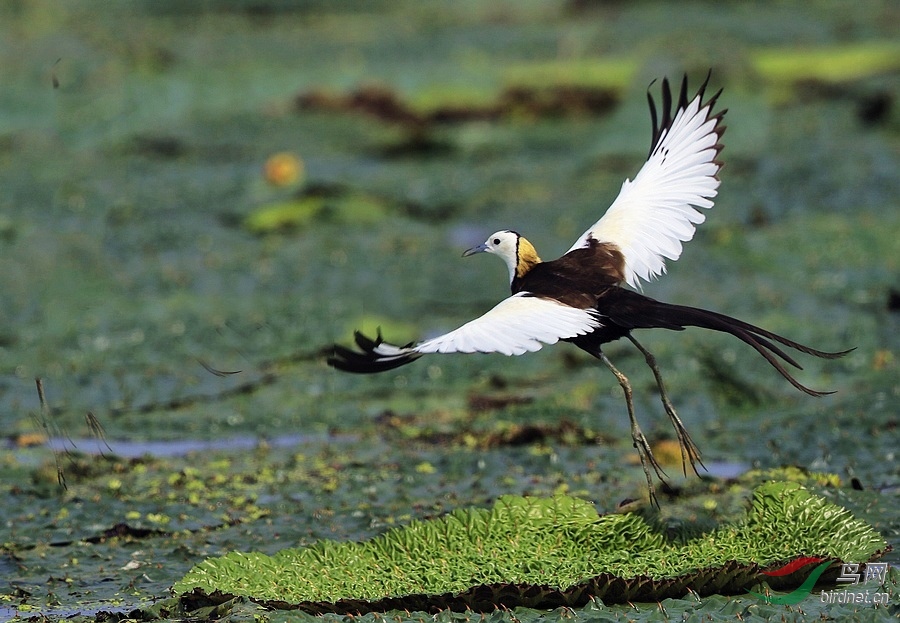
(580, 298)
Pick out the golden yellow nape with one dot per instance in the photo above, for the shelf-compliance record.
(527, 257)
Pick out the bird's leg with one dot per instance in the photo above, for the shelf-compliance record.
(689, 451)
(637, 436)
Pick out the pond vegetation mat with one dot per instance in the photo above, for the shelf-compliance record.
(542, 552)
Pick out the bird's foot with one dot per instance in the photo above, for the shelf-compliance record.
(647, 461)
(690, 453)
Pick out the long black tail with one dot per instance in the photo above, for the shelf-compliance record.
(650, 313)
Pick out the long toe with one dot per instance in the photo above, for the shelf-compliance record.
(690, 453)
(648, 461)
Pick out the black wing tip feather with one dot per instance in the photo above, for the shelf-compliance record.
(661, 123)
(366, 360)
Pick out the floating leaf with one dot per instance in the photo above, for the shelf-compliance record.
(827, 64)
(540, 553)
(284, 215)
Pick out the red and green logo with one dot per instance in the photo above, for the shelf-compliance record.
(801, 592)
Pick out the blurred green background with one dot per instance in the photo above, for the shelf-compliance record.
(162, 272)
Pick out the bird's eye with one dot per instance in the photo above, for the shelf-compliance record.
(496, 241)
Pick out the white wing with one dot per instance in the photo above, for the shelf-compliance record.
(516, 325)
(657, 211)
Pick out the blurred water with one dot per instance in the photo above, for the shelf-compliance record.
(182, 447)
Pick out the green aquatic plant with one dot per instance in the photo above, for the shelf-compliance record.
(539, 552)
(832, 64)
(346, 208)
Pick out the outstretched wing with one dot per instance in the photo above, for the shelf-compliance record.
(517, 325)
(657, 211)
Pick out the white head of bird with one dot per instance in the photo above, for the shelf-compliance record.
(519, 254)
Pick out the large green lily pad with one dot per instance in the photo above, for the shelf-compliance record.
(541, 553)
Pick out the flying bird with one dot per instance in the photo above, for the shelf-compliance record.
(581, 297)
